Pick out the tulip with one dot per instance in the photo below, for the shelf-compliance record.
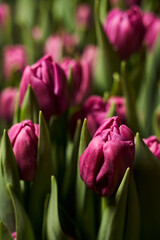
(14, 59)
(120, 108)
(90, 55)
(54, 47)
(58, 44)
(49, 84)
(37, 33)
(154, 145)
(14, 235)
(84, 16)
(24, 140)
(94, 110)
(110, 152)
(122, 27)
(4, 14)
(81, 79)
(7, 103)
(152, 25)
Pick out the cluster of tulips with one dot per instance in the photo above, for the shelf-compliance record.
(80, 120)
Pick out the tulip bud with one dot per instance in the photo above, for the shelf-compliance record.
(24, 140)
(14, 235)
(90, 55)
(49, 84)
(84, 16)
(104, 162)
(81, 79)
(37, 33)
(152, 25)
(14, 59)
(7, 103)
(4, 14)
(122, 27)
(120, 109)
(154, 145)
(94, 110)
(54, 47)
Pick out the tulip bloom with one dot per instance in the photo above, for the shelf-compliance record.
(14, 235)
(24, 139)
(84, 16)
(4, 14)
(125, 30)
(154, 145)
(54, 47)
(49, 84)
(104, 162)
(119, 107)
(7, 103)
(152, 25)
(14, 59)
(81, 79)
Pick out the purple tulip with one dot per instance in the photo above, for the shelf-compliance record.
(7, 103)
(14, 235)
(24, 140)
(49, 84)
(58, 44)
(54, 47)
(152, 25)
(81, 80)
(90, 55)
(125, 30)
(84, 16)
(104, 162)
(154, 145)
(14, 59)
(120, 108)
(4, 14)
(94, 110)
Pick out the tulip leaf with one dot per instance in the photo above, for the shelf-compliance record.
(147, 178)
(130, 101)
(132, 225)
(4, 233)
(147, 101)
(71, 168)
(45, 217)
(54, 230)
(108, 61)
(86, 200)
(80, 188)
(8, 161)
(41, 183)
(23, 226)
(30, 107)
(6, 208)
(113, 218)
(25, 12)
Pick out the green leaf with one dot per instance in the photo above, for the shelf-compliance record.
(41, 184)
(7, 215)
(149, 89)
(147, 178)
(132, 225)
(130, 101)
(71, 168)
(4, 233)
(9, 165)
(25, 10)
(87, 203)
(108, 61)
(45, 217)
(54, 230)
(30, 107)
(23, 225)
(113, 219)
